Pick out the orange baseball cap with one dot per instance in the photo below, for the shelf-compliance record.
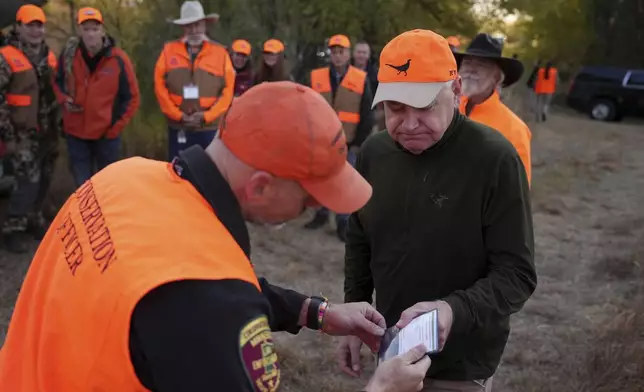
(414, 67)
(340, 40)
(290, 131)
(30, 13)
(242, 46)
(454, 41)
(273, 46)
(89, 13)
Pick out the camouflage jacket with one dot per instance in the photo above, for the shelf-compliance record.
(49, 114)
(68, 61)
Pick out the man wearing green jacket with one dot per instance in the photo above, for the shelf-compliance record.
(449, 225)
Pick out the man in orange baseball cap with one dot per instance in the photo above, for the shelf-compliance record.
(449, 226)
(165, 253)
(347, 89)
(29, 124)
(96, 80)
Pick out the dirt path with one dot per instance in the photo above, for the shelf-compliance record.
(589, 218)
(589, 221)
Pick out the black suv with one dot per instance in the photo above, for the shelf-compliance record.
(608, 93)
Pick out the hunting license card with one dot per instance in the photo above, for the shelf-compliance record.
(422, 330)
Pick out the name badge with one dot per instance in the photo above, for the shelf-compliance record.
(181, 137)
(191, 92)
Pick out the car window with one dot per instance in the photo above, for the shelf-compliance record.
(636, 79)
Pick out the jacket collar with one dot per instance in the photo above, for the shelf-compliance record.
(493, 101)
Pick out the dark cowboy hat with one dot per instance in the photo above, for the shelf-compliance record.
(485, 46)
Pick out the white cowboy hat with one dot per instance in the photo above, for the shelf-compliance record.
(191, 12)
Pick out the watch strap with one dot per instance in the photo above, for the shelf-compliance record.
(312, 319)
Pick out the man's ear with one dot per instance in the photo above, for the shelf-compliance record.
(257, 184)
(457, 86)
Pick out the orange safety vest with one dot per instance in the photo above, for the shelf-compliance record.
(347, 97)
(495, 114)
(207, 72)
(546, 86)
(23, 91)
(134, 226)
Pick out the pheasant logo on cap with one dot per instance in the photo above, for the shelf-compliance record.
(401, 68)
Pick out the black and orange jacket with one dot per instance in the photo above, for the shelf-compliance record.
(108, 95)
(211, 71)
(24, 96)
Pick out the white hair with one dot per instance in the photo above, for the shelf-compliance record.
(501, 78)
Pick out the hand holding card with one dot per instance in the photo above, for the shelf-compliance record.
(445, 318)
(422, 330)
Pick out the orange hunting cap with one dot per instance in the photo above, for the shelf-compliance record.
(30, 13)
(340, 40)
(242, 46)
(290, 131)
(414, 67)
(88, 13)
(273, 46)
(454, 41)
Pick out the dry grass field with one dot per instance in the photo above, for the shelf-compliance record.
(583, 328)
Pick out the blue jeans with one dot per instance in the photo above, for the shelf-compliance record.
(351, 158)
(202, 138)
(87, 157)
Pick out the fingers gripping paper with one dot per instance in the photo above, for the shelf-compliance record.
(422, 330)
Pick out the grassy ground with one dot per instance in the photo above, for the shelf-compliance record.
(582, 329)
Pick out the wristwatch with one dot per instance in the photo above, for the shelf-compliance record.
(313, 315)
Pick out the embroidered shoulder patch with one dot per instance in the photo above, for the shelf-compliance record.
(258, 354)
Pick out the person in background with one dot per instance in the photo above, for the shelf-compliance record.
(194, 81)
(362, 60)
(98, 90)
(530, 83)
(483, 71)
(29, 125)
(449, 224)
(240, 56)
(348, 91)
(272, 66)
(146, 282)
(545, 87)
(453, 42)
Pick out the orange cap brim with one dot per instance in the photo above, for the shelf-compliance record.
(343, 193)
(31, 19)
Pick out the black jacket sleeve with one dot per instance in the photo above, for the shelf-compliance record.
(509, 240)
(358, 281)
(286, 306)
(363, 130)
(186, 336)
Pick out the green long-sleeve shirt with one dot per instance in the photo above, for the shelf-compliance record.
(453, 223)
